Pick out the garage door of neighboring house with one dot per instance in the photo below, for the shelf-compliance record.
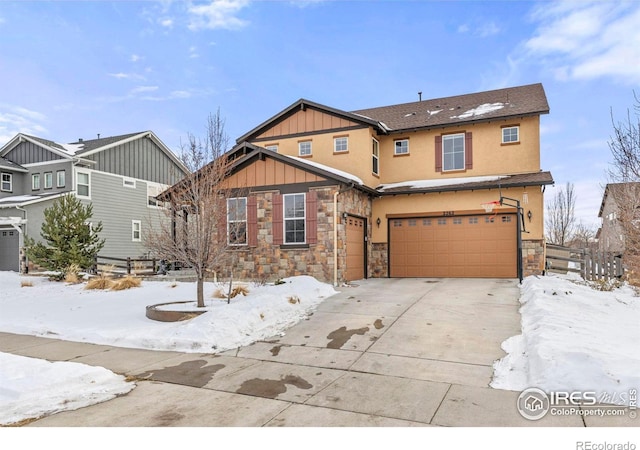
(9, 249)
(355, 248)
(479, 246)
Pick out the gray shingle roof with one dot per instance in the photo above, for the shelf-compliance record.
(481, 106)
(5, 163)
(93, 144)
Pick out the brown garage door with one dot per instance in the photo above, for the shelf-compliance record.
(355, 248)
(481, 246)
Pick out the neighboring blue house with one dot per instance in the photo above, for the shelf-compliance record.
(120, 176)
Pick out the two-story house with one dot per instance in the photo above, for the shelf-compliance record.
(393, 191)
(618, 202)
(120, 176)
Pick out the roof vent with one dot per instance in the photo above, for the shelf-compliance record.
(80, 140)
(420, 96)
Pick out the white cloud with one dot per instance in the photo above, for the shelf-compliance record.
(127, 76)
(166, 22)
(135, 58)
(487, 29)
(17, 119)
(141, 89)
(217, 14)
(587, 40)
(193, 52)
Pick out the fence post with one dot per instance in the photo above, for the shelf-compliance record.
(128, 265)
(154, 267)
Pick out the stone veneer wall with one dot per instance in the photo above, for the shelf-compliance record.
(532, 257)
(269, 262)
(379, 261)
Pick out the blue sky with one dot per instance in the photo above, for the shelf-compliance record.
(71, 69)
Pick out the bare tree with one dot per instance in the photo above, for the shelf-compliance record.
(583, 236)
(196, 232)
(624, 174)
(561, 218)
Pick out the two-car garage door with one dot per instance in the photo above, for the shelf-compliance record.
(477, 246)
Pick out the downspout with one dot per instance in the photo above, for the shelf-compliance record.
(21, 241)
(335, 232)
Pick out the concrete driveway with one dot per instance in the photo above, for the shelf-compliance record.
(385, 352)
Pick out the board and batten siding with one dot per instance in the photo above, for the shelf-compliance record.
(141, 159)
(116, 206)
(28, 153)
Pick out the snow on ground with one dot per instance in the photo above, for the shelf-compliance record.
(70, 312)
(574, 338)
(31, 388)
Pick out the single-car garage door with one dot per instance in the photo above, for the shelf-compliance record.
(479, 246)
(355, 248)
(9, 243)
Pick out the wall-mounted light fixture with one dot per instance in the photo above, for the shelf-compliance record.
(378, 222)
(529, 215)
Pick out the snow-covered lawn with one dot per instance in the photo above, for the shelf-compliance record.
(574, 338)
(68, 312)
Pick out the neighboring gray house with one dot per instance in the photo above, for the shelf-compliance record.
(120, 176)
(610, 234)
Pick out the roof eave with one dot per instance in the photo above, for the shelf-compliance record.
(462, 187)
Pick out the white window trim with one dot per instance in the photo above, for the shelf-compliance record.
(246, 223)
(395, 148)
(88, 174)
(300, 148)
(517, 127)
(284, 219)
(50, 179)
(377, 157)
(131, 181)
(34, 177)
(64, 178)
(272, 147)
(335, 144)
(10, 181)
(464, 162)
(133, 231)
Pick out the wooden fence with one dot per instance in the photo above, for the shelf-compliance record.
(589, 263)
(126, 265)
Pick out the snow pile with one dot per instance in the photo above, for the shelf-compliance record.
(31, 388)
(423, 184)
(118, 318)
(574, 338)
(332, 170)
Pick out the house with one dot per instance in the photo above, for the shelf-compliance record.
(120, 176)
(408, 190)
(617, 200)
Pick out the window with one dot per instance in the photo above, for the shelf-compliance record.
(340, 144)
(473, 220)
(60, 178)
(136, 231)
(453, 152)
(442, 221)
(273, 148)
(48, 180)
(35, 181)
(457, 221)
(128, 182)
(426, 222)
(304, 148)
(505, 219)
(294, 218)
(7, 182)
(237, 221)
(510, 135)
(375, 157)
(82, 185)
(401, 147)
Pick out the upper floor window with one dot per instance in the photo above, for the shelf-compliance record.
(453, 152)
(340, 144)
(273, 147)
(129, 182)
(7, 182)
(136, 231)
(237, 221)
(304, 148)
(375, 157)
(510, 135)
(82, 184)
(48, 180)
(294, 218)
(35, 181)
(60, 175)
(401, 147)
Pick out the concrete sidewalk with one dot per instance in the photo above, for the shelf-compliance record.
(387, 352)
